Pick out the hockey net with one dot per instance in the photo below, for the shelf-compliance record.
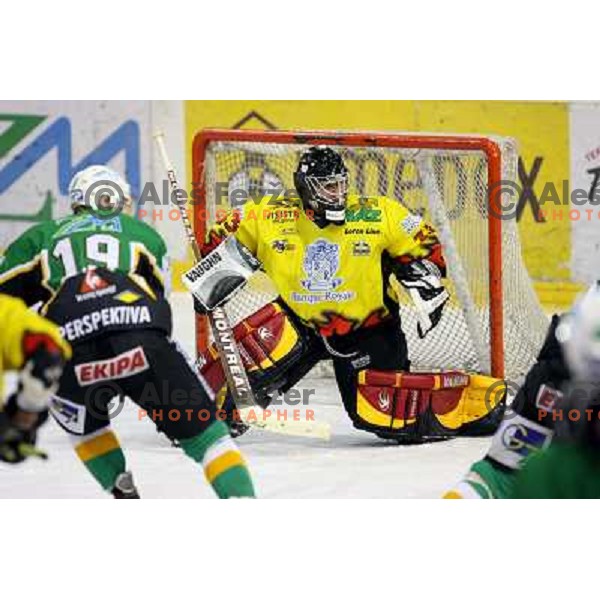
(493, 322)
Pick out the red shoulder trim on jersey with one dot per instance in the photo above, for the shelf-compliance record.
(437, 258)
(34, 341)
(222, 228)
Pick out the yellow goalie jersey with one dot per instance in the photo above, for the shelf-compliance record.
(15, 320)
(334, 278)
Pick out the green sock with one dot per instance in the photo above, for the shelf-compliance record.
(495, 482)
(223, 463)
(107, 468)
(103, 457)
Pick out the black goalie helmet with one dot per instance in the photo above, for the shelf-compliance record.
(321, 181)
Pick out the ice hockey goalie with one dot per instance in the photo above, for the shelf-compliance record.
(330, 255)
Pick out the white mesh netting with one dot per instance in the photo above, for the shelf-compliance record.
(449, 187)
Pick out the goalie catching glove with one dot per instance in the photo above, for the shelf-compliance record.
(423, 280)
(18, 433)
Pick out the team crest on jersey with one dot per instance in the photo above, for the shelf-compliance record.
(321, 263)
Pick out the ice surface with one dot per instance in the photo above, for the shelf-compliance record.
(353, 464)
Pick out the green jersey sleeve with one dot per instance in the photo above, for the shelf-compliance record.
(22, 272)
(149, 257)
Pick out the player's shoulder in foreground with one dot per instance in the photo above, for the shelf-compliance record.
(10, 305)
(16, 319)
(15, 314)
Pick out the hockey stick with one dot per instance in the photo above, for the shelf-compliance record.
(262, 419)
(231, 361)
(235, 374)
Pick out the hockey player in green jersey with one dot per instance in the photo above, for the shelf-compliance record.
(100, 275)
(538, 434)
(570, 466)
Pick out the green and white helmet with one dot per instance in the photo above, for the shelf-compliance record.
(99, 188)
(579, 335)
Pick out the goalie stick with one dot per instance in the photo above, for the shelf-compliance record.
(233, 367)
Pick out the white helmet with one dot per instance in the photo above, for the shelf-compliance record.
(579, 334)
(100, 188)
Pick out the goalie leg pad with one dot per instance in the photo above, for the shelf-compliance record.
(420, 407)
(270, 345)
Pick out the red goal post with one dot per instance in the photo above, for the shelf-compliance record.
(208, 140)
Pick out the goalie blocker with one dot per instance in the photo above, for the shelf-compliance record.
(378, 393)
(220, 274)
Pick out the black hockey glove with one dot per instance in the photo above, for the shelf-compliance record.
(39, 377)
(18, 432)
(423, 281)
(27, 409)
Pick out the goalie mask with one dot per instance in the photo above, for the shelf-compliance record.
(100, 189)
(321, 181)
